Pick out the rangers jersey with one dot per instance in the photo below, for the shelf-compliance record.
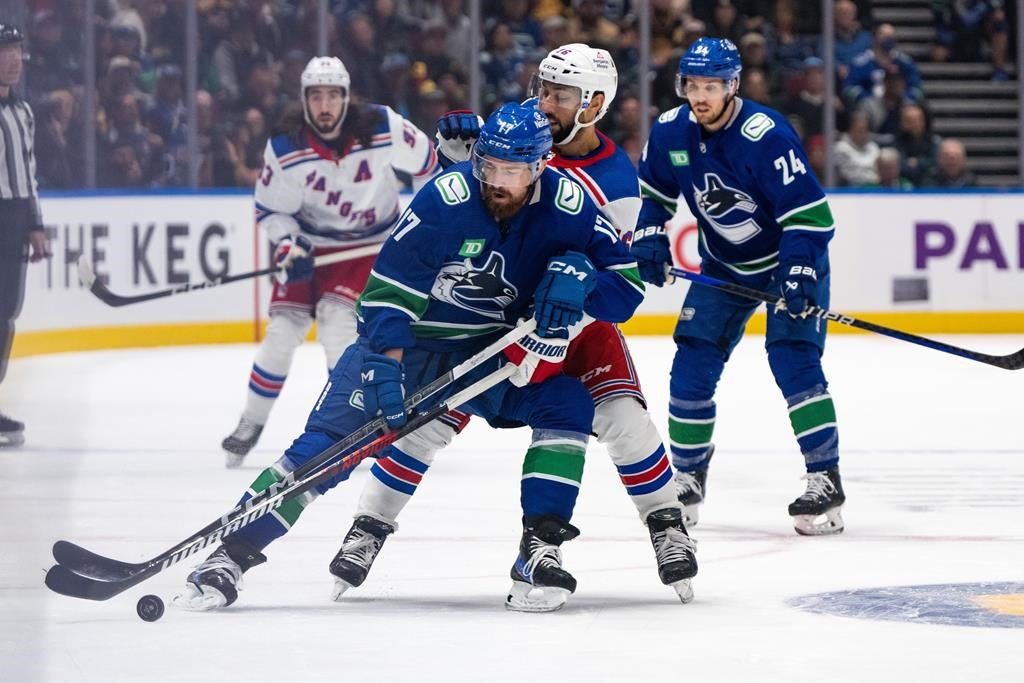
(609, 179)
(748, 184)
(344, 199)
(449, 272)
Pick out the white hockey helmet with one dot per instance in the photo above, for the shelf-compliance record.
(328, 71)
(580, 66)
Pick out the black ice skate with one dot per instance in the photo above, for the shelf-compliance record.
(539, 584)
(690, 489)
(215, 582)
(818, 512)
(358, 551)
(675, 550)
(240, 442)
(12, 432)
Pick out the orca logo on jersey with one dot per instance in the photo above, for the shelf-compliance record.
(484, 291)
(717, 201)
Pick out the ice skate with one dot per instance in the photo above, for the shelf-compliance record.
(690, 488)
(539, 584)
(675, 550)
(818, 512)
(240, 442)
(358, 551)
(215, 582)
(12, 432)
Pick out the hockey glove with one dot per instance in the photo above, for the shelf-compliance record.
(294, 259)
(383, 393)
(537, 358)
(798, 286)
(456, 133)
(562, 292)
(651, 250)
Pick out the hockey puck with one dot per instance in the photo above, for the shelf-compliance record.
(150, 608)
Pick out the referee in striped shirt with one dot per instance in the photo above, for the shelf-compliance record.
(22, 238)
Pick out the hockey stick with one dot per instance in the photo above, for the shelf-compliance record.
(82, 561)
(87, 276)
(61, 579)
(1013, 361)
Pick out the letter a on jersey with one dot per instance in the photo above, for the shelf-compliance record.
(363, 173)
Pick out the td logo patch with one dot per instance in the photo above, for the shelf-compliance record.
(679, 157)
(472, 248)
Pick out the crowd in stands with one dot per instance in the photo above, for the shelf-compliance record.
(413, 55)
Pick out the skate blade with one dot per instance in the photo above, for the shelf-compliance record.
(691, 515)
(828, 523)
(194, 599)
(525, 597)
(233, 460)
(340, 586)
(11, 439)
(684, 589)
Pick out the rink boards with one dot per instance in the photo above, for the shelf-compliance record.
(922, 262)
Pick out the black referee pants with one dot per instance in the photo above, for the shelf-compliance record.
(14, 228)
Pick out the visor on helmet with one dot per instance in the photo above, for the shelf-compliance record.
(566, 97)
(500, 173)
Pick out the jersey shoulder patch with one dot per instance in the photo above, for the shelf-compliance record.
(670, 115)
(755, 127)
(384, 115)
(569, 196)
(453, 188)
(285, 144)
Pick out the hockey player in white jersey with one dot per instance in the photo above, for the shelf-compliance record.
(328, 185)
(575, 87)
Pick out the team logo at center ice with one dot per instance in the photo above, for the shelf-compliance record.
(728, 210)
(482, 290)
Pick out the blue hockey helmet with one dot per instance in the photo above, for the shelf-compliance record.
(709, 58)
(515, 133)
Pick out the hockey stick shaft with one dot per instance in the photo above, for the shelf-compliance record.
(1013, 361)
(62, 580)
(100, 290)
(90, 564)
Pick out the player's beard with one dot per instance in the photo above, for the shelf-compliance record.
(712, 116)
(327, 124)
(560, 131)
(501, 202)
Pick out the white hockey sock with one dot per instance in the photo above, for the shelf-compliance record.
(285, 333)
(635, 446)
(398, 472)
(335, 327)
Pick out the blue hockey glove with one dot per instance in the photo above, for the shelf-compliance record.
(456, 132)
(294, 259)
(383, 393)
(562, 292)
(798, 286)
(651, 250)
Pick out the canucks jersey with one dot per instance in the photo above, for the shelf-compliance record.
(449, 272)
(340, 200)
(609, 179)
(748, 184)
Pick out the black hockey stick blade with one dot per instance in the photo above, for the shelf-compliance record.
(1011, 361)
(62, 580)
(88, 563)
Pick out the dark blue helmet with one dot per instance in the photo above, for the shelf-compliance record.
(10, 35)
(709, 58)
(515, 132)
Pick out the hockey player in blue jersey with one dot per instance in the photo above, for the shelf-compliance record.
(477, 248)
(764, 223)
(574, 87)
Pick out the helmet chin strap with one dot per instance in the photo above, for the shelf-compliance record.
(576, 128)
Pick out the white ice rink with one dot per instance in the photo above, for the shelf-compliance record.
(122, 456)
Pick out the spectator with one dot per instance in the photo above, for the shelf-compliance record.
(951, 171)
(394, 70)
(867, 75)
(666, 32)
(786, 50)
(857, 154)
(888, 167)
(851, 39)
(627, 128)
(131, 152)
(725, 21)
(556, 33)
(53, 116)
(236, 55)
(815, 148)
(754, 86)
(362, 56)
(524, 29)
(589, 25)
(459, 30)
(916, 143)
(390, 29)
(166, 118)
(885, 112)
(53, 65)
(446, 72)
(245, 149)
(962, 28)
(500, 64)
(809, 104)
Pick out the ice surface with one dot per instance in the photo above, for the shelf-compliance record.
(122, 456)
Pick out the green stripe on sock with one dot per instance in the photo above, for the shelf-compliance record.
(557, 460)
(264, 480)
(290, 511)
(811, 415)
(684, 433)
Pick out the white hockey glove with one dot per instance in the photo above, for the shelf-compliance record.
(456, 132)
(294, 259)
(538, 358)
